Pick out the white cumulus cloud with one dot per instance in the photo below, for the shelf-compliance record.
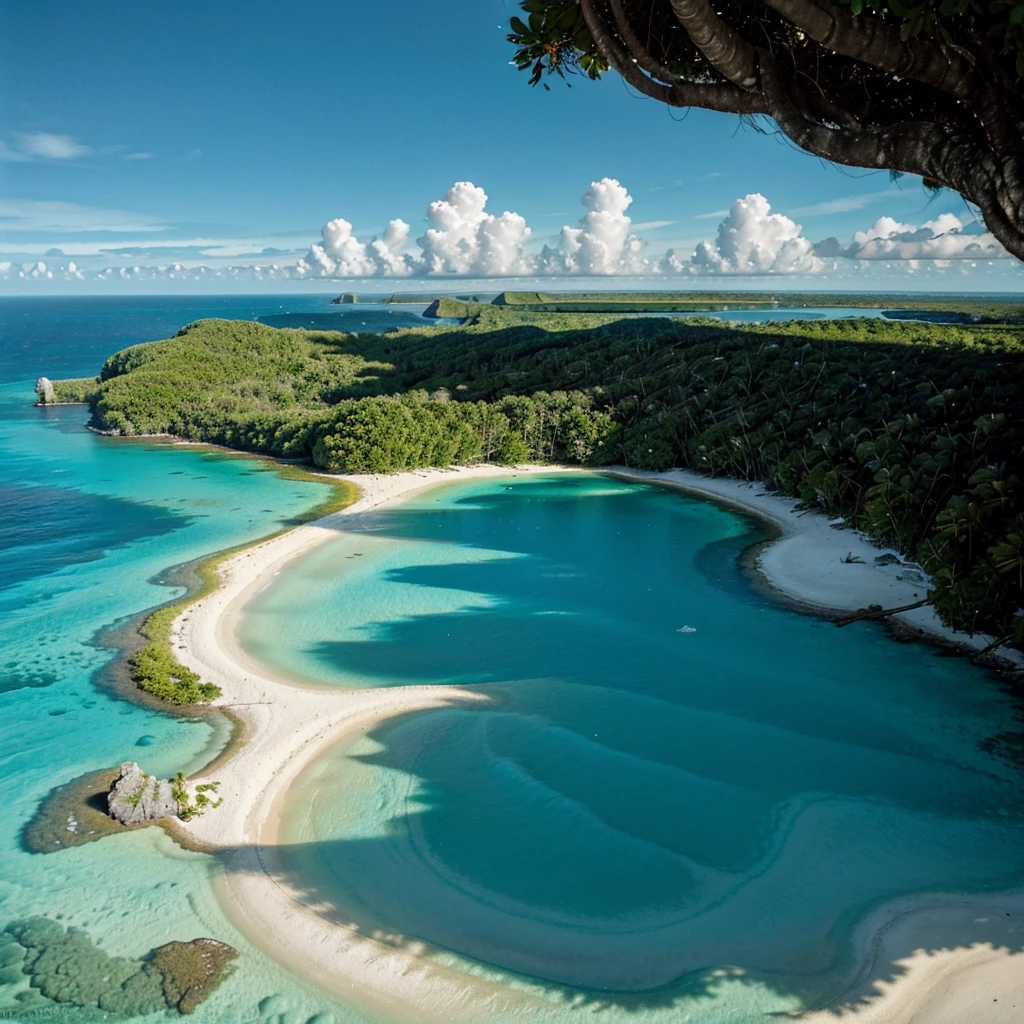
(464, 239)
(341, 254)
(751, 240)
(461, 239)
(603, 242)
(943, 238)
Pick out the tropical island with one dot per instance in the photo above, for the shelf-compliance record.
(909, 431)
(590, 591)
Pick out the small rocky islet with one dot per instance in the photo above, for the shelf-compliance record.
(136, 797)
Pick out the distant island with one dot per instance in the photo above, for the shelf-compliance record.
(911, 431)
(936, 308)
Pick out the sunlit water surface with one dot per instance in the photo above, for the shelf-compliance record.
(87, 525)
(639, 808)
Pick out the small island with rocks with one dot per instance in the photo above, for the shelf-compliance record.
(136, 797)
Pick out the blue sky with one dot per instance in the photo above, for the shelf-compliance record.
(203, 134)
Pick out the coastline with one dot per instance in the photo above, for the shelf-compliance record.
(805, 563)
(285, 726)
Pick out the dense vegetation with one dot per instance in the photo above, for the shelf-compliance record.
(913, 432)
(79, 389)
(156, 671)
(968, 307)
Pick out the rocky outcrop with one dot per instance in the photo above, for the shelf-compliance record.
(136, 797)
(44, 389)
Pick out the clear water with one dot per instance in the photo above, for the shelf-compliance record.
(639, 807)
(86, 525)
(757, 784)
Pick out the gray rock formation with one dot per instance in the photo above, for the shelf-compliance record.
(136, 797)
(44, 389)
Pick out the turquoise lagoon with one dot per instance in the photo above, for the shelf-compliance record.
(642, 820)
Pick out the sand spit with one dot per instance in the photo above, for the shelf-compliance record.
(285, 726)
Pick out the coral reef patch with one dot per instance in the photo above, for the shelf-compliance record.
(66, 966)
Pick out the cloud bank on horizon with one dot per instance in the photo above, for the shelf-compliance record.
(463, 240)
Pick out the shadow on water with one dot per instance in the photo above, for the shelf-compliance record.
(436, 919)
(623, 772)
(805, 994)
(628, 607)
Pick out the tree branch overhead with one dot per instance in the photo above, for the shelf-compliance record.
(933, 90)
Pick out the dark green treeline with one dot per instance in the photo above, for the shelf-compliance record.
(914, 432)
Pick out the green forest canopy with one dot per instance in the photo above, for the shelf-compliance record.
(914, 432)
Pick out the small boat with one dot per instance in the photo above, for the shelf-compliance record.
(686, 629)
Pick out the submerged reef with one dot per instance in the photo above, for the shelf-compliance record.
(191, 970)
(73, 814)
(66, 966)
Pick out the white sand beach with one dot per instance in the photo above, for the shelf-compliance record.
(285, 726)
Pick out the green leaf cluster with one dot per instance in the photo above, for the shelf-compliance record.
(187, 808)
(156, 671)
(554, 39)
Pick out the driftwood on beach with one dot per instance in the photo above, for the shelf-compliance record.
(876, 611)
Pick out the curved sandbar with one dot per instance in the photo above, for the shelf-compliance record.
(288, 725)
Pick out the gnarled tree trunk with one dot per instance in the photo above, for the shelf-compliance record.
(845, 87)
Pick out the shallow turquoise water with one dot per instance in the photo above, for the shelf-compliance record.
(87, 524)
(639, 806)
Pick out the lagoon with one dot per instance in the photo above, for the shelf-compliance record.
(637, 808)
